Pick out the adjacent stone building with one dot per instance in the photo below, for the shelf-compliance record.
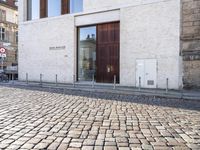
(190, 39)
(9, 35)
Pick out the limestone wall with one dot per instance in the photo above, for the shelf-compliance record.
(190, 39)
(147, 31)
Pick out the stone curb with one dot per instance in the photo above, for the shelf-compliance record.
(107, 89)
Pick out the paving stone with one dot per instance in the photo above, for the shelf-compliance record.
(110, 143)
(98, 148)
(181, 148)
(99, 142)
(110, 148)
(122, 144)
(34, 140)
(39, 119)
(87, 148)
(53, 145)
(18, 142)
(73, 149)
(66, 140)
(13, 147)
(2, 146)
(41, 145)
(27, 146)
(162, 148)
(62, 146)
(186, 138)
(119, 133)
(89, 142)
(135, 146)
(75, 144)
(149, 147)
(158, 143)
(121, 140)
(193, 146)
(134, 141)
(124, 148)
(7, 141)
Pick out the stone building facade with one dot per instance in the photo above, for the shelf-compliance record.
(136, 41)
(190, 39)
(9, 33)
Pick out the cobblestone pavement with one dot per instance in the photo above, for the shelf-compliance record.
(33, 119)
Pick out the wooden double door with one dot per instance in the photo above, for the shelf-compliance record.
(107, 53)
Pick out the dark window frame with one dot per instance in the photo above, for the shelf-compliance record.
(29, 15)
(43, 8)
(16, 37)
(78, 46)
(2, 34)
(2, 15)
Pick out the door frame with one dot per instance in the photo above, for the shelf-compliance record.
(119, 48)
(77, 46)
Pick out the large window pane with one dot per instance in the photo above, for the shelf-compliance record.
(2, 34)
(87, 53)
(33, 9)
(2, 15)
(76, 6)
(54, 8)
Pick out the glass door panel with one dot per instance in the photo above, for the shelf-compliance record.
(86, 53)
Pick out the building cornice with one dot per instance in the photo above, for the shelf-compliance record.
(8, 5)
(9, 23)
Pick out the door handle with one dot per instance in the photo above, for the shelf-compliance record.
(108, 69)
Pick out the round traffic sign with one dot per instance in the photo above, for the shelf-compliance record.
(2, 50)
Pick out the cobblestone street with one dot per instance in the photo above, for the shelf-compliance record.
(39, 119)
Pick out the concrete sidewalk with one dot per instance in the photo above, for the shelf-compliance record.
(110, 88)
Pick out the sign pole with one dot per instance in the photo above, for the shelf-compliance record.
(2, 55)
(2, 62)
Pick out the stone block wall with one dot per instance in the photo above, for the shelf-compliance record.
(138, 23)
(190, 39)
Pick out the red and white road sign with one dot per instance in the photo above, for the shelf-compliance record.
(2, 52)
